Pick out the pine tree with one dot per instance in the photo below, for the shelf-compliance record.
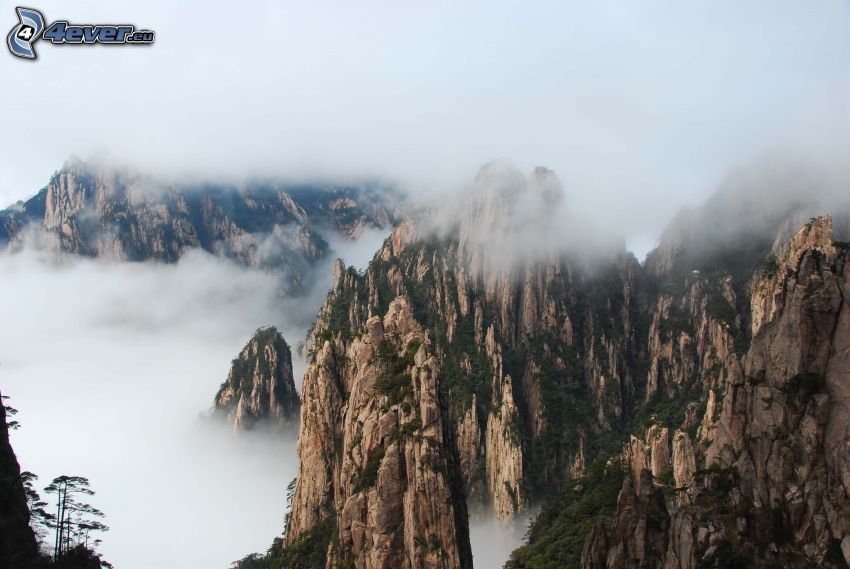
(74, 519)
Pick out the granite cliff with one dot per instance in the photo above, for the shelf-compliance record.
(763, 483)
(688, 412)
(260, 388)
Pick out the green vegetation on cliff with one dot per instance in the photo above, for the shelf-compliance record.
(556, 537)
(309, 551)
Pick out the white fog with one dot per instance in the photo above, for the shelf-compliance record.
(110, 366)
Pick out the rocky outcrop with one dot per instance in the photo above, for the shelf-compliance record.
(771, 487)
(522, 420)
(684, 462)
(783, 432)
(378, 453)
(508, 423)
(693, 334)
(639, 532)
(17, 542)
(504, 456)
(544, 363)
(260, 388)
(105, 211)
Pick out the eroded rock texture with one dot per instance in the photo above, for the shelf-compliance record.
(686, 413)
(536, 352)
(260, 388)
(771, 487)
(100, 210)
(378, 452)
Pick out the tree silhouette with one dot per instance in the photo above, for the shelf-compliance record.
(10, 412)
(74, 519)
(40, 519)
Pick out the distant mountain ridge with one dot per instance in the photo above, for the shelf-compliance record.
(104, 211)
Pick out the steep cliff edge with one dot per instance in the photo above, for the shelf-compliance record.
(535, 350)
(771, 487)
(17, 542)
(574, 375)
(260, 388)
(379, 465)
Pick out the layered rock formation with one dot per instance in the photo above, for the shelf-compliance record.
(104, 211)
(17, 542)
(260, 388)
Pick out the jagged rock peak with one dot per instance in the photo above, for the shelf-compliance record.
(338, 270)
(814, 236)
(260, 387)
(503, 202)
(99, 209)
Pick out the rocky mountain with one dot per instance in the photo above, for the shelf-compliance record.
(17, 542)
(260, 388)
(379, 460)
(101, 210)
(764, 483)
(671, 414)
(533, 353)
(444, 380)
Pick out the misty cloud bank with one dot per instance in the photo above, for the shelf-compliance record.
(493, 541)
(640, 107)
(504, 217)
(110, 365)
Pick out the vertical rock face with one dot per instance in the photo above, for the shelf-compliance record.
(730, 388)
(536, 351)
(379, 463)
(260, 387)
(773, 485)
(684, 463)
(504, 456)
(411, 408)
(783, 431)
(17, 542)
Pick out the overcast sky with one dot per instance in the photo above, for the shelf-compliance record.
(638, 106)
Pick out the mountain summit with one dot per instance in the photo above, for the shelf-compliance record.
(677, 415)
